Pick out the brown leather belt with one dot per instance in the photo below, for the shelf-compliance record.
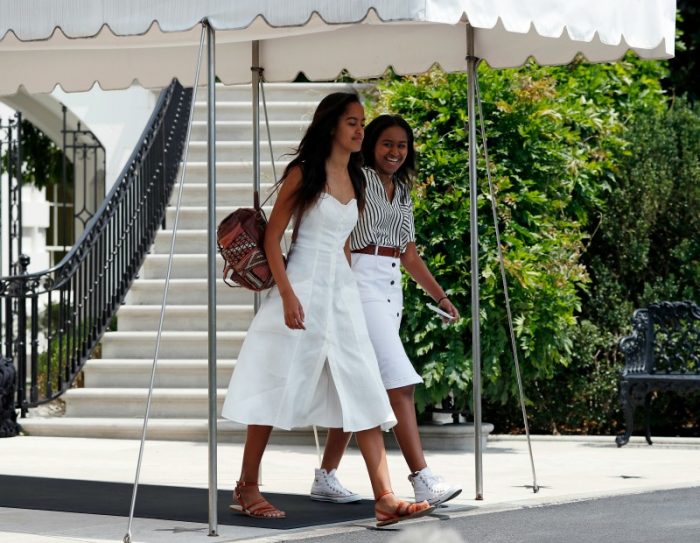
(379, 250)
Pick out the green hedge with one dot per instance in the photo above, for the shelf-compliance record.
(564, 143)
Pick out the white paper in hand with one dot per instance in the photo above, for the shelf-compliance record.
(442, 313)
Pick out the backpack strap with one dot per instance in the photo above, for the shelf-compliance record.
(297, 220)
(256, 196)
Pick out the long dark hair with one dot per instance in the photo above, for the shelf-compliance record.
(315, 148)
(405, 174)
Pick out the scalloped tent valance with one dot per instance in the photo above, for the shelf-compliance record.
(75, 43)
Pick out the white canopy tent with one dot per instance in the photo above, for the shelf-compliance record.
(75, 43)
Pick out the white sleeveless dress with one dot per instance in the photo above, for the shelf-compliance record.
(326, 375)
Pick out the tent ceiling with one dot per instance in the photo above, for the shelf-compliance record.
(126, 40)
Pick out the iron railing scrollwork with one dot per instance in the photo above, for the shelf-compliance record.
(11, 170)
(51, 321)
(85, 153)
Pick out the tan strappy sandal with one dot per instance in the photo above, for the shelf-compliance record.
(259, 509)
(403, 511)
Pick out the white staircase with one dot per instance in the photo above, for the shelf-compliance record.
(111, 404)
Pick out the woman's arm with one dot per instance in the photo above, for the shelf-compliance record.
(415, 266)
(279, 219)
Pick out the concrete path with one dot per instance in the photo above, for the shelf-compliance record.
(568, 470)
(668, 516)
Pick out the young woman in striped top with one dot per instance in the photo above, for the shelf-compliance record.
(382, 242)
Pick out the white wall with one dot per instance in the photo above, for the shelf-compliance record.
(35, 221)
(117, 118)
(5, 112)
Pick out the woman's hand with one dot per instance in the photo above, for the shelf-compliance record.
(447, 306)
(414, 265)
(293, 311)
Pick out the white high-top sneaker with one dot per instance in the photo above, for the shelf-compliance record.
(327, 488)
(432, 488)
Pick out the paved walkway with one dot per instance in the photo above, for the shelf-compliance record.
(568, 469)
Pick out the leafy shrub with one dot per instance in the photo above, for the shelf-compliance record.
(647, 248)
(554, 136)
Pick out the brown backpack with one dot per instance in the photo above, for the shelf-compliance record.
(240, 238)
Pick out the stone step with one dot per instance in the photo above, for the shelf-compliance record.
(233, 151)
(185, 266)
(275, 92)
(193, 242)
(195, 217)
(173, 344)
(229, 194)
(241, 110)
(187, 242)
(235, 172)
(181, 403)
(136, 318)
(174, 429)
(293, 129)
(170, 373)
(451, 438)
(184, 291)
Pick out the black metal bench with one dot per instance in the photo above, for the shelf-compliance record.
(663, 353)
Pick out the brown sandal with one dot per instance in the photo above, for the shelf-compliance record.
(260, 509)
(403, 511)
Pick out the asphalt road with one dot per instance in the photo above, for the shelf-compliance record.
(661, 517)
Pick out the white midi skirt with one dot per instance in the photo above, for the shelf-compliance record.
(379, 281)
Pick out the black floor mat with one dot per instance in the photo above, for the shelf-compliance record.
(168, 503)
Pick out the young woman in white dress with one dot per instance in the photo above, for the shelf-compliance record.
(382, 242)
(307, 358)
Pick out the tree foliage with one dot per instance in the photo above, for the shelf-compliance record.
(42, 160)
(562, 142)
(684, 79)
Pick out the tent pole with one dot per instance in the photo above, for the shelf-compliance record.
(474, 236)
(255, 87)
(256, 72)
(211, 272)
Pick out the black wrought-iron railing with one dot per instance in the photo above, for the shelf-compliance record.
(11, 174)
(72, 176)
(51, 321)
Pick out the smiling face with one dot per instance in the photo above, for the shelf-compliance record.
(350, 129)
(390, 150)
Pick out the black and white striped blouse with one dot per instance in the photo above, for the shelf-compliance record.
(383, 222)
